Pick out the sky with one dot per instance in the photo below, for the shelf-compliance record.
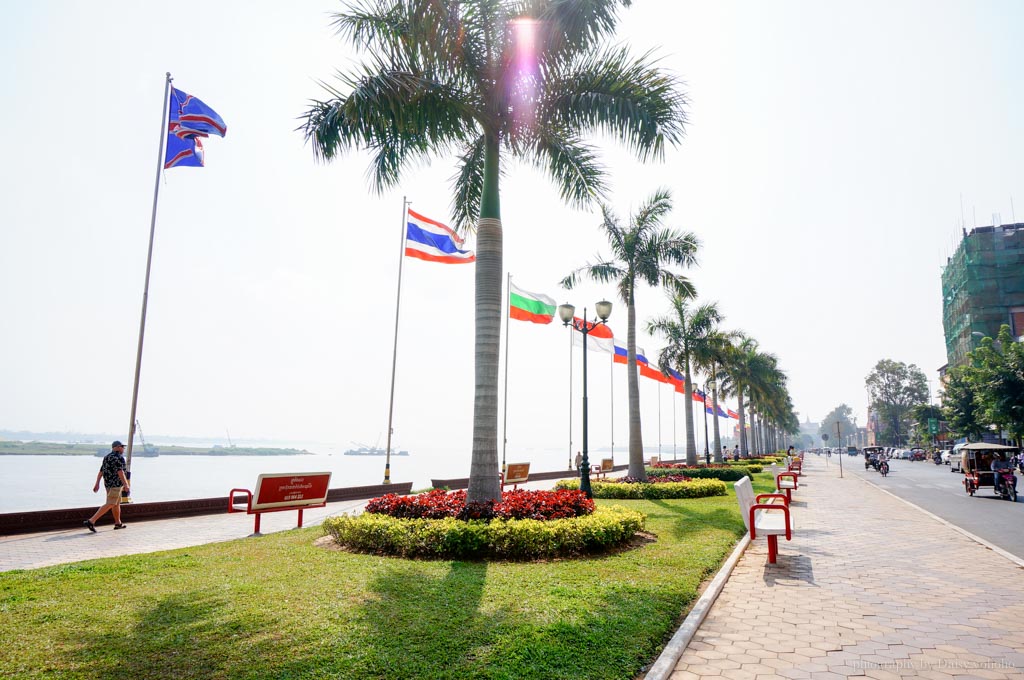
(834, 151)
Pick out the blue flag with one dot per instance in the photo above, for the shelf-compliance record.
(188, 120)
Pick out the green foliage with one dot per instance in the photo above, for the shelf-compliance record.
(697, 488)
(958, 403)
(895, 388)
(842, 415)
(511, 539)
(998, 381)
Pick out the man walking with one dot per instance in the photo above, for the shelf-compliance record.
(112, 472)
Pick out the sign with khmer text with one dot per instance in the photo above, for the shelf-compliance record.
(283, 489)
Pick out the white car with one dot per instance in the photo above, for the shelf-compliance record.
(951, 457)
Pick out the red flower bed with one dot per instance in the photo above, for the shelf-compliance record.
(519, 504)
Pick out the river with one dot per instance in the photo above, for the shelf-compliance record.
(54, 482)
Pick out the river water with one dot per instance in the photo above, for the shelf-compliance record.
(55, 482)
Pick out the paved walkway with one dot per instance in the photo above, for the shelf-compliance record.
(869, 586)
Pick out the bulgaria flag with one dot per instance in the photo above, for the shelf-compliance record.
(526, 306)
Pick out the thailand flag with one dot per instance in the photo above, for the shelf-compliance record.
(188, 120)
(434, 242)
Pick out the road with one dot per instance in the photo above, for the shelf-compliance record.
(941, 492)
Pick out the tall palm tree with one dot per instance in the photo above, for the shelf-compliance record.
(710, 356)
(689, 331)
(641, 253)
(488, 80)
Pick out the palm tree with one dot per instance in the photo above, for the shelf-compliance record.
(709, 356)
(689, 331)
(489, 79)
(641, 253)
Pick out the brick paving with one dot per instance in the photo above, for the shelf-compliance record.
(868, 587)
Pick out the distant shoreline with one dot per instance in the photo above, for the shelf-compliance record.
(9, 448)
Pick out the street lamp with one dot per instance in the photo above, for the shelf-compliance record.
(566, 314)
(709, 386)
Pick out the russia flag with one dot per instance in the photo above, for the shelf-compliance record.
(434, 242)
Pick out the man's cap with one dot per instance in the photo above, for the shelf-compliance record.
(116, 444)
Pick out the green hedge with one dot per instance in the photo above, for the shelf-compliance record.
(698, 488)
(513, 539)
(729, 474)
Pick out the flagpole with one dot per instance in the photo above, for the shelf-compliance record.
(504, 423)
(149, 266)
(394, 351)
(658, 387)
(570, 399)
(611, 383)
(673, 423)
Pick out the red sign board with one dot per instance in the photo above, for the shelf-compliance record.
(284, 489)
(517, 473)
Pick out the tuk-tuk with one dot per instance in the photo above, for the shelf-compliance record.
(976, 462)
(871, 454)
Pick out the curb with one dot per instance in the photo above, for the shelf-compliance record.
(665, 665)
(994, 548)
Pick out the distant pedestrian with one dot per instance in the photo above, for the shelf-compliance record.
(579, 460)
(736, 453)
(112, 472)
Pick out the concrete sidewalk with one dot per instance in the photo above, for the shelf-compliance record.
(869, 586)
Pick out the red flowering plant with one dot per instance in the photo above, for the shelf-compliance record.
(519, 504)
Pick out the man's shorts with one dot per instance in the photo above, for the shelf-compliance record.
(114, 496)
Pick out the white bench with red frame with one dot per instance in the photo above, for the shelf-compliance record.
(770, 519)
(280, 491)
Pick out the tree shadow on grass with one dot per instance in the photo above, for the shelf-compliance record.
(690, 520)
(423, 627)
(185, 635)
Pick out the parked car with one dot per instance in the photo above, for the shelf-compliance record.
(953, 458)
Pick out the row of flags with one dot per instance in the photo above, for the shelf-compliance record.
(540, 308)
(430, 240)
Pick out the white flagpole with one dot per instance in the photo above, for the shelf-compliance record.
(149, 266)
(394, 351)
(504, 423)
(611, 382)
(570, 399)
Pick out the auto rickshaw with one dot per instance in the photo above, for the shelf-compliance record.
(871, 454)
(976, 462)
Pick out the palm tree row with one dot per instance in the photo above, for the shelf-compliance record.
(645, 252)
(494, 80)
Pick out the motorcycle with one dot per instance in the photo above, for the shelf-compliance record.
(883, 467)
(937, 459)
(1007, 489)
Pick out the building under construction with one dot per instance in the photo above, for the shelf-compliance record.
(983, 288)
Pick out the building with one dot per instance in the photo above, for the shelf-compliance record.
(983, 288)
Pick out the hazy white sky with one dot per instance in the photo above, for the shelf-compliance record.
(829, 148)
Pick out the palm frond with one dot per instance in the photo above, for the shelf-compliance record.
(571, 164)
(469, 186)
(629, 99)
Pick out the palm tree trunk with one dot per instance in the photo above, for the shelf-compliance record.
(744, 451)
(484, 480)
(636, 442)
(691, 440)
(714, 407)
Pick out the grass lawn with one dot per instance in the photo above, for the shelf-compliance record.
(280, 607)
